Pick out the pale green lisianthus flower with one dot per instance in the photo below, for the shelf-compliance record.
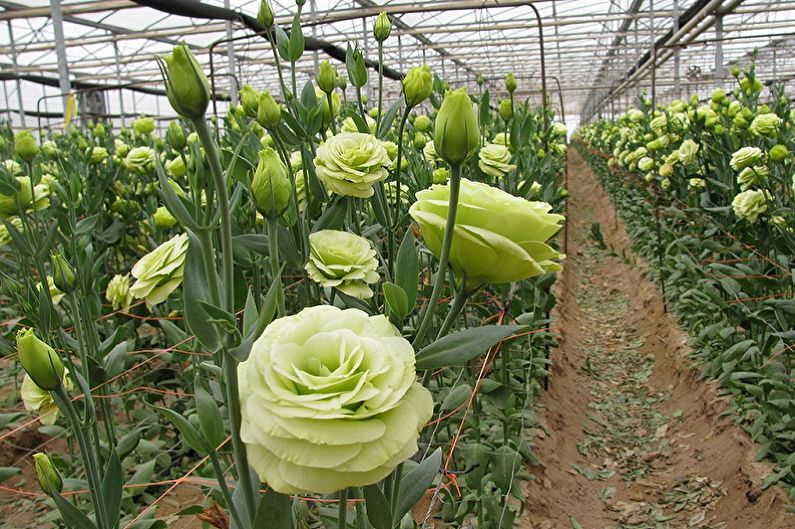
(344, 261)
(502, 138)
(745, 157)
(750, 204)
(329, 400)
(494, 160)
(159, 272)
(140, 160)
(350, 163)
(430, 154)
(118, 292)
(765, 125)
(498, 238)
(696, 183)
(752, 176)
(55, 294)
(40, 400)
(688, 151)
(5, 236)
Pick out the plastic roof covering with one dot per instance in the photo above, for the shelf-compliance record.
(113, 42)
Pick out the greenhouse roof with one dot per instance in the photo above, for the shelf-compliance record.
(593, 48)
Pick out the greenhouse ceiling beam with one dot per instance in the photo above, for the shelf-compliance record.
(95, 6)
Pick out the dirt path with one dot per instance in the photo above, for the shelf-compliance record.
(634, 438)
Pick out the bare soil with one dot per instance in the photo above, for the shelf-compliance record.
(633, 436)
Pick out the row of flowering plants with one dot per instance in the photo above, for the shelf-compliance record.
(706, 189)
(323, 309)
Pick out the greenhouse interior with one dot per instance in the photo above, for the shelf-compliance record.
(391, 264)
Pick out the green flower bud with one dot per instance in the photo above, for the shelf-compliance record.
(735, 70)
(39, 360)
(765, 125)
(163, 218)
(382, 27)
(144, 126)
(187, 87)
(62, 273)
(510, 82)
(342, 80)
(456, 135)
(422, 123)
(265, 15)
(249, 100)
(271, 184)
(99, 130)
(417, 85)
(327, 77)
(176, 135)
(778, 153)
(506, 109)
(25, 145)
(481, 79)
(441, 175)
(49, 479)
(420, 140)
(176, 167)
(50, 149)
(269, 112)
(98, 155)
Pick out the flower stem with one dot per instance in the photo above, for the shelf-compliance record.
(455, 309)
(343, 509)
(380, 84)
(399, 159)
(273, 257)
(219, 474)
(331, 113)
(239, 450)
(441, 273)
(361, 512)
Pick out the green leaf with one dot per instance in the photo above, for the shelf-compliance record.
(282, 42)
(389, 118)
(8, 472)
(416, 482)
(407, 269)
(275, 511)
(111, 488)
(397, 304)
(378, 511)
(250, 313)
(266, 315)
(333, 218)
(457, 396)
(128, 443)
(172, 202)
(210, 419)
(462, 346)
(357, 118)
(189, 434)
(196, 316)
(485, 111)
(72, 516)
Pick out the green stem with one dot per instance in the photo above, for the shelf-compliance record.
(361, 512)
(380, 84)
(331, 113)
(273, 257)
(219, 474)
(235, 419)
(359, 102)
(393, 499)
(343, 509)
(64, 403)
(452, 207)
(399, 160)
(455, 309)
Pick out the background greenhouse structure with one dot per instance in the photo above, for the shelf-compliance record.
(598, 53)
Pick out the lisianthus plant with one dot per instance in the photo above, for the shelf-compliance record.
(310, 297)
(719, 175)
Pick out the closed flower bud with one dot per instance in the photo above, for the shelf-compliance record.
(25, 145)
(50, 149)
(506, 110)
(778, 153)
(265, 15)
(456, 134)
(481, 79)
(39, 360)
(735, 70)
(98, 155)
(63, 275)
(440, 175)
(47, 475)
(422, 123)
(327, 77)
(420, 140)
(342, 80)
(765, 125)
(510, 82)
(163, 218)
(144, 126)
(99, 130)
(249, 100)
(382, 27)
(176, 135)
(187, 87)
(269, 112)
(417, 85)
(271, 184)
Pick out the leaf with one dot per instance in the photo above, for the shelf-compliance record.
(407, 269)
(378, 511)
(574, 523)
(389, 118)
(128, 443)
(274, 512)
(250, 313)
(210, 419)
(416, 482)
(115, 360)
(361, 124)
(282, 42)
(485, 111)
(295, 48)
(397, 304)
(457, 396)
(333, 217)
(189, 434)
(462, 346)
(111, 488)
(196, 316)
(73, 516)
(266, 315)
(8, 472)
(172, 202)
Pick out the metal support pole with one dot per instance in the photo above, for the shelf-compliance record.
(654, 58)
(118, 80)
(677, 75)
(60, 49)
(719, 50)
(20, 104)
(544, 100)
(230, 57)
